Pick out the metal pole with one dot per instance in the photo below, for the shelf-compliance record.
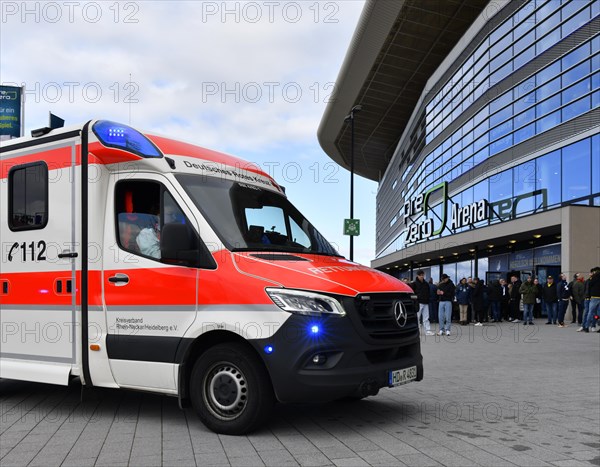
(350, 118)
(352, 181)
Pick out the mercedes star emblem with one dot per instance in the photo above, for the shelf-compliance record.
(400, 314)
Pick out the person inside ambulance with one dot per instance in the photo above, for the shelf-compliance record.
(148, 239)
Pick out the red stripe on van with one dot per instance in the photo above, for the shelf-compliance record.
(41, 288)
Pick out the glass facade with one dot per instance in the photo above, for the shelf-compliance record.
(531, 30)
(570, 175)
(565, 87)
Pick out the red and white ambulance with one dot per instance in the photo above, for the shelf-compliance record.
(136, 261)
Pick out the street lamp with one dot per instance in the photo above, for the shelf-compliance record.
(350, 118)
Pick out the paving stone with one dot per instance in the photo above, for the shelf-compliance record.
(250, 460)
(277, 457)
(212, 458)
(145, 461)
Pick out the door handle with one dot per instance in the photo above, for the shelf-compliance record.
(119, 279)
(67, 255)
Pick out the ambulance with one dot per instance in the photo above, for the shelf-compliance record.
(136, 261)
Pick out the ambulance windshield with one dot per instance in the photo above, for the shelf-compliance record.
(248, 218)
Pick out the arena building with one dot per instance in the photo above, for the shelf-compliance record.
(480, 121)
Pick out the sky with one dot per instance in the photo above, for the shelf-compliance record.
(250, 79)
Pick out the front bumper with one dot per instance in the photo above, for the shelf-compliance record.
(359, 351)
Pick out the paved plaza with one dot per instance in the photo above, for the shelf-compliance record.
(493, 395)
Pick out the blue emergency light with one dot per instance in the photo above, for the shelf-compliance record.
(117, 135)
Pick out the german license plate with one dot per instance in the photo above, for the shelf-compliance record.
(398, 377)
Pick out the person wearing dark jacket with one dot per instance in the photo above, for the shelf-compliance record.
(562, 288)
(515, 299)
(529, 292)
(537, 308)
(550, 297)
(421, 289)
(477, 300)
(505, 300)
(577, 299)
(495, 297)
(445, 292)
(433, 302)
(593, 293)
(586, 302)
(463, 297)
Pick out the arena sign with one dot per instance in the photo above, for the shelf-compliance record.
(422, 227)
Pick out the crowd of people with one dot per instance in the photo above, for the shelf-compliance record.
(515, 301)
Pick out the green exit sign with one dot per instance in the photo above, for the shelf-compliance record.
(352, 227)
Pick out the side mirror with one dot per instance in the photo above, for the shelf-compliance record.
(179, 244)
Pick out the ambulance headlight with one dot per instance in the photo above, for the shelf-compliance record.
(305, 303)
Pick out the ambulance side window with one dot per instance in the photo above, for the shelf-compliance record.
(143, 208)
(137, 208)
(28, 196)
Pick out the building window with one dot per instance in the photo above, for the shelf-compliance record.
(547, 172)
(576, 171)
(28, 196)
(596, 164)
(523, 187)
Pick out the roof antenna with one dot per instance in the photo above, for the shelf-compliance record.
(54, 122)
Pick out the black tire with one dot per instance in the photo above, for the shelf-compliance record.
(244, 397)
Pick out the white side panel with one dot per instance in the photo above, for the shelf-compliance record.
(51, 373)
(150, 376)
(99, 366)
(38, 317)
(42, 333)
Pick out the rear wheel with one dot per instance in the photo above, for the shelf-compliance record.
(231, 390)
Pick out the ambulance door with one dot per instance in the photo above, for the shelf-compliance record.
(40, 252)
(150, 302)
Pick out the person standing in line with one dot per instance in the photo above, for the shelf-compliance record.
(563, 299)
(445, 292)
(486, 300)
(421, 288)
(572, 301)
(495, 296)
(529, 291)
(504, 301)
(550, 298)
(433, 302)
(515, 299)
(577, 298)
(586, 302)
(594, 296)
(477, 301)
(537, 308)
(463, 297)
(470, 311)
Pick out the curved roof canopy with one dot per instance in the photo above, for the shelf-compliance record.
(396, 48)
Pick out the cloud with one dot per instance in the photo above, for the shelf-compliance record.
(247, 78)
(187, 60)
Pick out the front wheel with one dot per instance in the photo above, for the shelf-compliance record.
(231, 390)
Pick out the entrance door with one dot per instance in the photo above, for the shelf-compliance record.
(149, 303)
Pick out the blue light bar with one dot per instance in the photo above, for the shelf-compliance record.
(268, 349)
(315, 329)
(117, 135)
